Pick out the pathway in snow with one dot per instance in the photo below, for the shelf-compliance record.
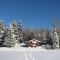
(28, 54)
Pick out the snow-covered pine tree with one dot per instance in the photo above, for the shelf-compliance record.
(56, 38)
(20, 33)
(7, 39)
(10, 35)
(49, 40)
(1, 33)
(14, 34)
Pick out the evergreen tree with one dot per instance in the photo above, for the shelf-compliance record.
(20, 32)
(49, 40)
(56, 38)
(8, 42)
(1, 33)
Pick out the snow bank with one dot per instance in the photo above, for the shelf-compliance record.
(21, 49)
(28, 54)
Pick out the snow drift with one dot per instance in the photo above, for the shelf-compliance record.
(28, 54)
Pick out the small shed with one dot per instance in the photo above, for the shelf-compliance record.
(34, 43)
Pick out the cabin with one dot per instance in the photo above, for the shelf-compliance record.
(34, 43)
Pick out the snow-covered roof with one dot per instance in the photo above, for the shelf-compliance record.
(34, 41)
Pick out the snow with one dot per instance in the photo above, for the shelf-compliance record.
(22, 49)
(29, 54)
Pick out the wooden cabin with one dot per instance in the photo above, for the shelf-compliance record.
(34, 43)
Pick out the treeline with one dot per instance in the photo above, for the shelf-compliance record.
(14, 35)
(46, 36)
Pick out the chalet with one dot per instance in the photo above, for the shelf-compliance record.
(34, 43)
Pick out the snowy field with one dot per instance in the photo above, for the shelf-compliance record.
(28, 54)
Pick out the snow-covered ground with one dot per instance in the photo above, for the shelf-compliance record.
(29, 54)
